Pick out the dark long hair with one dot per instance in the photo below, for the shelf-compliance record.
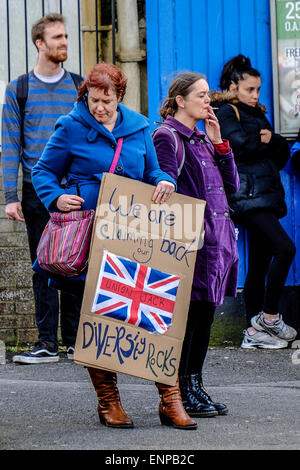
(181, 85)
(235, 70)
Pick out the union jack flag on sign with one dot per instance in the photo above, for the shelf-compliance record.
(135, 293)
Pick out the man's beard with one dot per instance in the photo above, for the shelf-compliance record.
(58, 57)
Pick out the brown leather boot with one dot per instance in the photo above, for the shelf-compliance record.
(171, 410)
(110, 410)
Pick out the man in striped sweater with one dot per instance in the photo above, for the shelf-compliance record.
(51, 93)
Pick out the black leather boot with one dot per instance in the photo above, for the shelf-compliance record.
(202, 395)
(191, 403)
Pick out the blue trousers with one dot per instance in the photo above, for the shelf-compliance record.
(47, 298)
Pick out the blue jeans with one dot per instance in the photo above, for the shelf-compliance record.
(46, 298)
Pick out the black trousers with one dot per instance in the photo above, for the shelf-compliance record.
(46, 298)
(196, 340)
(270, 256)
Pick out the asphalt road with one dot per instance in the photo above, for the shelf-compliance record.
(53, 407)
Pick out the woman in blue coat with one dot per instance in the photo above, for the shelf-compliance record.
(80, 150)
(208, 173)
(83, 145)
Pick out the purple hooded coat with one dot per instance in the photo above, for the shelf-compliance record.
(205, 175)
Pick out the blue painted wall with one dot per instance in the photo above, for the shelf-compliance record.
(201, 35)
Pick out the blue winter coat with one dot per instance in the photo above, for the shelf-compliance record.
(81, 149)
(206, 175)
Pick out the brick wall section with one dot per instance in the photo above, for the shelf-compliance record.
(17, 318)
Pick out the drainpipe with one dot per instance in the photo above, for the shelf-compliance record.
(129, 50)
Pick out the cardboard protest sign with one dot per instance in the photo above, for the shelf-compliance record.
(139, 280)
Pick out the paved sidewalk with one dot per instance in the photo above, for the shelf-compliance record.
(53, 407)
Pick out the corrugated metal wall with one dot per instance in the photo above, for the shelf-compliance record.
(202, 35)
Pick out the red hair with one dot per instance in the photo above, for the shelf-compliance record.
(104, 76)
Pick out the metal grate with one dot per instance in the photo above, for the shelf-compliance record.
(17, 16)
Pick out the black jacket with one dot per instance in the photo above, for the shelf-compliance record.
(295, 152)
(258, 163)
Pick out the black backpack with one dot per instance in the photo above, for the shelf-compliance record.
(22, 94)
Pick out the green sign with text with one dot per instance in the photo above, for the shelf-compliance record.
(288, 19)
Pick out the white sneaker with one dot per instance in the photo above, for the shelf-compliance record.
(278, 330)
(70, 352)
(262, 340)
(42, 353)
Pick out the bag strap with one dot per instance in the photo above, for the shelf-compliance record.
(77, 79)
(22, 91)
(179, 145)
(22, 94)
(116, 155)
(236, 111)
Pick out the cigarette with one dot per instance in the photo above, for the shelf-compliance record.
(214, 108)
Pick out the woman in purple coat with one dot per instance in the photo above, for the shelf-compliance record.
(208, 173)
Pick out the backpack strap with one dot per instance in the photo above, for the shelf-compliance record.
(77, 79)
(179, 145)
(22, 91)
(22, 88)
(22, 94)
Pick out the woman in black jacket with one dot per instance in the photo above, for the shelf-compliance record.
(257, 206)
(295, 154)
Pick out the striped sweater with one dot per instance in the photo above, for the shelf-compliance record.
(46, 102)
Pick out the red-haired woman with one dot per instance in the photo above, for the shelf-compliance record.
(81, 149)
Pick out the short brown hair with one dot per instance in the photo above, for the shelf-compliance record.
(37, 30)
(105, 76)
(181, 85)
